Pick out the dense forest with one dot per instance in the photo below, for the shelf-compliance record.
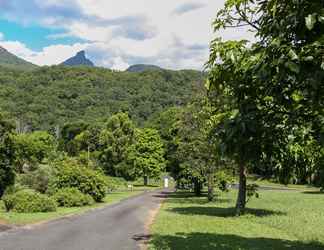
(49, 97)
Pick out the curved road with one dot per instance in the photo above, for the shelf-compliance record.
(122, 226)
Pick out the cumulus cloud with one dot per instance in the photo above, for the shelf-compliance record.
(116, 34)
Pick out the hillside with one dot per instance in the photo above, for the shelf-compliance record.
(52, 96)
(142, 68)
(9, 60)
(78, 60)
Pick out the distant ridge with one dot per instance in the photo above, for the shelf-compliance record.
(9, 60)
(78, 60)
(143, 67)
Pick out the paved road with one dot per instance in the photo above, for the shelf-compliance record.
(117, 227)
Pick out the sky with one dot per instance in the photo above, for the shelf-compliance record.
(173, 34)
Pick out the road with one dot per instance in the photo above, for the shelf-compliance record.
(122, 226)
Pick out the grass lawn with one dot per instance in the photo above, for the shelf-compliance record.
(29, 218)
(277, 220)
(269, 183)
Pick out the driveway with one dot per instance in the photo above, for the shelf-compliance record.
(122, 226)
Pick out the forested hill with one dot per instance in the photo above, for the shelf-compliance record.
(11, 61)
(52, 96)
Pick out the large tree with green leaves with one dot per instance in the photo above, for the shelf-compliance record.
(32, 148)
(7, 174)
(197, 149)
(274, 84)
(115, 139)
(146, 155)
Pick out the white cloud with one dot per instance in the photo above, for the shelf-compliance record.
(1, 36)
(172, 34)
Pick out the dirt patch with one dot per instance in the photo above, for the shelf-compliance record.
(145, 238)
(4, 227)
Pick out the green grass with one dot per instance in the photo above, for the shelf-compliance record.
(30, 218)
(270, 183)
(277, 220)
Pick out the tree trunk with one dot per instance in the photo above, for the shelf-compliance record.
(210, 187)
(241, 198)
(145, 180)
(197, 187)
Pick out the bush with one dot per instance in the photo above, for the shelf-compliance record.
(29, 201)
(72, 197)
(223, 180)
(38, 179)
(70, 174)
(115, 183)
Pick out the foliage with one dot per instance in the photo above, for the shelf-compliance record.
(252, 191)
(115, 183)
(273, 84)
(31, 149)
(115, 139)
(29, 201)
(7, 175)
(50, 97)
(223, 180)
(72, 197)
(10, 61)
(38, 179)
(145, 156)
(166, 123)
(197, 149)
(70, 174)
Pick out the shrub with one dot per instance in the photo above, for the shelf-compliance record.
(70, 174)
(29, 201)
(72, 197)
(38, 179)
(223, 180)
(115, 183)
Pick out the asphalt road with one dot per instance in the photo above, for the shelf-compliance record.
(122, 226)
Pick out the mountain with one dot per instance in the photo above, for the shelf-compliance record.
(143, 67)
(56, 95)
(9, 60)
(78, 60)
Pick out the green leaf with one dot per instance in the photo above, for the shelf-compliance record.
(322, 66)
(292, 54)
(310, 21)
(297, 96)
(308, 58)
(293, 67)
(207, 84)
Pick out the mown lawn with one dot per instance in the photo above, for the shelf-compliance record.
(277, 220)
(30, 218)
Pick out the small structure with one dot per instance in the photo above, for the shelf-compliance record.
(166, 182)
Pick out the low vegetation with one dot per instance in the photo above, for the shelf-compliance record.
(15, 218)
(277, 220)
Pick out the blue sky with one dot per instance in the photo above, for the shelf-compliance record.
(115, 34)
(34, 36)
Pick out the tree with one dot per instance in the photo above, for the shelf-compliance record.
(275, 84)
(7, 174)
(198, 150)
(115, 139)
(146, 155)
(32, 148)
(167, 123)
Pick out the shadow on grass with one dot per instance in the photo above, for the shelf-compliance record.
(313, 192)
(190, 198)
(222, 212)
(208, 241)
